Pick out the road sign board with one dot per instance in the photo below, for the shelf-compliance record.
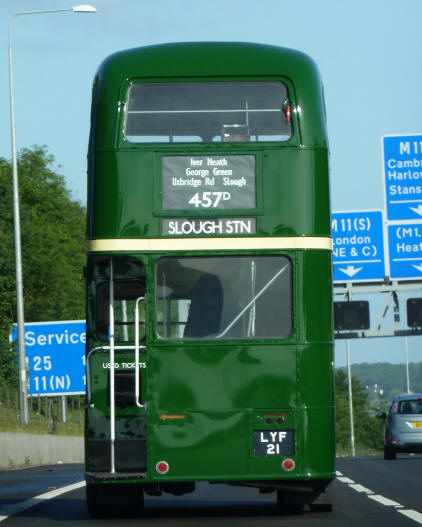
(358, 246)
(402, 155)
(405, 251)
(55, 354)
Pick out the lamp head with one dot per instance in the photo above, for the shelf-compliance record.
(84, 8)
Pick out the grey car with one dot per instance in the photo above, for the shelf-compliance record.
(403, 425)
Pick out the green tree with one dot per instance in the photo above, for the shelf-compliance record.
(367, 427)
(53, 248)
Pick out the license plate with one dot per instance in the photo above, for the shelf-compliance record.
(417, 425)
(273, 442)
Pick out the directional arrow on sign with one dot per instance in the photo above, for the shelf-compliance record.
(417, 209)
(418, 267)
(351, 270)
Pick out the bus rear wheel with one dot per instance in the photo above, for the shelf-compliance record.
(114, 499)
(287, 504)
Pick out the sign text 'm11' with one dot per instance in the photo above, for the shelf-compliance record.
(358, 246)
(403, 176)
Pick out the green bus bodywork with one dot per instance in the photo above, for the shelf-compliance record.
(206, 399)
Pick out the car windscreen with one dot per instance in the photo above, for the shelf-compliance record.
(408, 407)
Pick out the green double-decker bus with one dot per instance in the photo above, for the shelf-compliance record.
(209, 289)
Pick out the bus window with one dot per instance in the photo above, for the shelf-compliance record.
(125, 295)
(207, 112)
(224, 297)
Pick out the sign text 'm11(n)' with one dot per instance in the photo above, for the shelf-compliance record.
(358, 246)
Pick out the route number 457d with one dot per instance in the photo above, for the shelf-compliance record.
(209, 199)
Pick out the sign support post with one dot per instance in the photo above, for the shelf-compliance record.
(407, 365)
(64, 409)
(349, 376)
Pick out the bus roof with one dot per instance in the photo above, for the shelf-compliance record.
(208, 60)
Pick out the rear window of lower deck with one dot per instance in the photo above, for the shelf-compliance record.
(227, 297)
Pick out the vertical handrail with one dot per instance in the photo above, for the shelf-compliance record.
(112, 388)
(124, 314)
(137, 346)
(252, 315)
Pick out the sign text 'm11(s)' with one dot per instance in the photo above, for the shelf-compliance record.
(358, 246)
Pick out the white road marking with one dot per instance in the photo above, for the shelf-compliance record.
(413, 515)
(360, 488)
(384, 501)
(343, 479)
(23, 505)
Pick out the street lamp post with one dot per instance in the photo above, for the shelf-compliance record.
(16, 215)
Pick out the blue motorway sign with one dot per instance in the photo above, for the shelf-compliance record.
(405, 251)
(55, 354)
(403, 176)
(358, 246)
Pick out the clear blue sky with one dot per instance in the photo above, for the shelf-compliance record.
(368, 51)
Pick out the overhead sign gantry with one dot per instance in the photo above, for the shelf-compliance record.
(381, 251)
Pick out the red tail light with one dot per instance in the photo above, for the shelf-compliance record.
(162, 467)
(288, 465)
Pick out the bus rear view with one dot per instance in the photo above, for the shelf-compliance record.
(209, 294)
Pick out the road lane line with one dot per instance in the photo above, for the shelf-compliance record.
(384, 501)
(343, 479)
(413, 515)
(16, 508)
(409, 513)
(360, 488)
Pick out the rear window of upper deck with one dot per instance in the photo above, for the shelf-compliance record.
(207, 112)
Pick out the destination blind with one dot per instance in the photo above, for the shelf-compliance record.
(209, 226)
(208, 182)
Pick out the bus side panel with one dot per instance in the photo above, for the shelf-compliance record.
(296, 180)
(315, 362)
(316, 414)
(314, 305)
(122, 196)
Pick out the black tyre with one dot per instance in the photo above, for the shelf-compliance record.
(114, 499)
(389, 453)
(321, 507)
(287, 504)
